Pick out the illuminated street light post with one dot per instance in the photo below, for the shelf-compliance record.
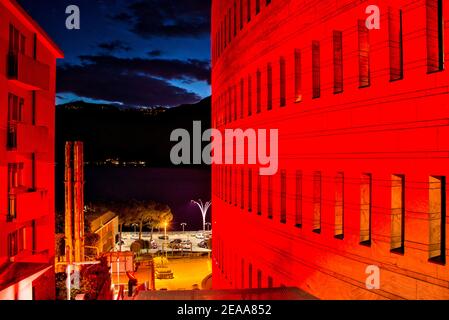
(135, 225)
(165, 237)
(203, 207)
(208, 226)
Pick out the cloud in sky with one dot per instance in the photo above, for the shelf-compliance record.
(133, 81)
(167, 18)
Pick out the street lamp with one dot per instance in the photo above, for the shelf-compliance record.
(208, 226)
(165, 237)
(183, 225)
(203, 207)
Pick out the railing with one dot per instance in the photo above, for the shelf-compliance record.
(12, 208)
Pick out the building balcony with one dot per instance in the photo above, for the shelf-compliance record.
(27, 72)
(27, 204)
(27, 138)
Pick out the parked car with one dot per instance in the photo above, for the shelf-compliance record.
(175, 244)
(199, 236)
(186, 244)
(163, 237)
(203, 244)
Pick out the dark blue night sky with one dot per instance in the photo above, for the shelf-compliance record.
(132, 52)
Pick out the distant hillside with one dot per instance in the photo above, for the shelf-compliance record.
(111, 131)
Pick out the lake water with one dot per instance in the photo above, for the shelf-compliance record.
(173, 186)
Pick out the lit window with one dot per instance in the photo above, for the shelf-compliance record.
(338, 61)
(365, 209)
(298, 214)
(437, 219)
(397, 213)
(396, 50)
(364, 55)
(339, 205)
(435, 26)
(316, 202)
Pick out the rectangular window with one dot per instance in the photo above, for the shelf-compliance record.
(225, 31)
(15, 108)
(13, 244)
(242, 189)
(257, 6)
(248, 10)
(250, 276)
(236, 188)
(365, 209)
(339, 205)
(15, 176)
(242, 98)
(435, 45)
(235, 18)
(241, 14)
(229, 25)
(282, 86)
(259, 279)
(298, 199)
(397, 213)
(243, 273)
(270, 197)
(283, 196)
(316, 223)
(230, 186)
(316, 70)
(250, 96)
(259, 194)
(259, 91)
(338, 61)
(235, 102)
(298, 76)
(364, 55)
(437, 219)
(269, 87)
(250, 190)
(396, 50)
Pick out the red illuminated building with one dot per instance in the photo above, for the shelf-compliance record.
(27, 133)
(363, 147)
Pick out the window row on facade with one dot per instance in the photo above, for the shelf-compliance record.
(240, 272)
(246, 189)
(230, 104)
(233, 21)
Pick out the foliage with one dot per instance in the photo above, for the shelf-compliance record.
(93, 279)
(149, 214)
(60, 245)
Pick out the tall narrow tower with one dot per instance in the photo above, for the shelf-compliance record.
(74, 200)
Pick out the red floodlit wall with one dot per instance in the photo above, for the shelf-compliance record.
(27, 134)
(363, 147)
